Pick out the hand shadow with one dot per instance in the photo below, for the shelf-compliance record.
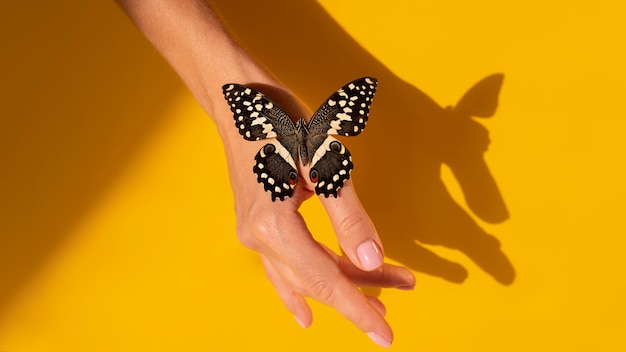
(409, 137)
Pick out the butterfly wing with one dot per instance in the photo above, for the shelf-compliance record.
(331, 164)
(346, 111)
(276, 169)
(256, 118)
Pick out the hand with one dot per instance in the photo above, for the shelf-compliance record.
(297, 265)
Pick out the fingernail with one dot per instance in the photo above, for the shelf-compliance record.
(370, 255)
(379, 340)
(300, 322)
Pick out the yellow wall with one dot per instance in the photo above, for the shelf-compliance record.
(116, 222)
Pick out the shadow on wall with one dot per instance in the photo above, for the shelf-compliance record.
(398, 160)
(83, 91)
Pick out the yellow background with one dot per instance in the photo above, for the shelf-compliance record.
(116, 221)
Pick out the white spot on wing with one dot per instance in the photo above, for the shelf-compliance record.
(268, 129)
(335, 125)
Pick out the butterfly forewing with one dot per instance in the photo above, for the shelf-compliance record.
(256, 117)
(346, 111)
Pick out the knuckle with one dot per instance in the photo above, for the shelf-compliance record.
(323, 290)
(257, 230)
(350, 224)
(247, 239)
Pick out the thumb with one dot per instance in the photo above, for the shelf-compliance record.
(355, 231)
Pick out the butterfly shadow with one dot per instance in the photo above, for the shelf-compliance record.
(404, 192)
(399, 157)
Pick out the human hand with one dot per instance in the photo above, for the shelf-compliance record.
(297, 265)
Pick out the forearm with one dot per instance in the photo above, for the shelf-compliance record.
(190, 36)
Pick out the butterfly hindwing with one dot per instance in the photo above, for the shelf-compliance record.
(346, 111)
(256, 116)
(276, 169)
(331, 164)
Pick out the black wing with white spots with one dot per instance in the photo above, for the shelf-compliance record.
(276, 170)
(256, 117)
(345, 112)
(331, 164)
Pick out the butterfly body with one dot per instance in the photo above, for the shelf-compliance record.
(276, 164)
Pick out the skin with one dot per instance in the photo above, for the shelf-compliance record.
(190, 36)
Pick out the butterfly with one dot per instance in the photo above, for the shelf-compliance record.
(344, 113)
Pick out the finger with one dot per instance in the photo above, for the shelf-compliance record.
(388, 275)
(312, 272)
(294, 302)
(378, 304)
(355, 231)
(339, 292)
